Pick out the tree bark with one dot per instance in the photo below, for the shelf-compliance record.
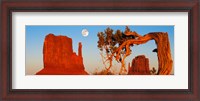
(163, 47)
(164, 53)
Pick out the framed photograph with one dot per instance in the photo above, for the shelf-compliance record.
(100, 50)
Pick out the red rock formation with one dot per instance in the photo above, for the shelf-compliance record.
(140, 66)
(59, 58)
(79, 49)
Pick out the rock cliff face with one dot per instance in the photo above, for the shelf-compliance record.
(59, 58)
(140, 66)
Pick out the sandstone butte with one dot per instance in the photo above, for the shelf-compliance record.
(140, 66)
(59, 58)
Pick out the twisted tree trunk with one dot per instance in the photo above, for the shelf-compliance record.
(163, 47)
(164, 53)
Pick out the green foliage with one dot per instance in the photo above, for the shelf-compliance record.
(110, 40)
(106, 41)
(101, 37)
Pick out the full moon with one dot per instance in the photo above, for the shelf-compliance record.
(85, 32)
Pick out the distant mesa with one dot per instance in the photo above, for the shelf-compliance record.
(59, 58)
(140, 66)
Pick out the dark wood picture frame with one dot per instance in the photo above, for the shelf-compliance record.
(190, 6)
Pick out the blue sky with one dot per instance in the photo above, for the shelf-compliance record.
(35, 37)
